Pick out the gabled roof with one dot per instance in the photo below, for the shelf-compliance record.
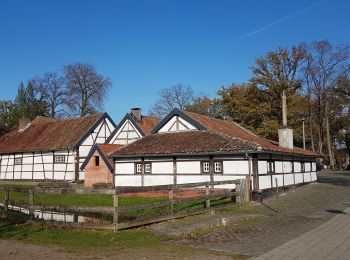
(103, 150)
(48, 134)
(178, 112)
(214, 136)
(144, 127)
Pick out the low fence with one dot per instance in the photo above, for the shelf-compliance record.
(239, 195)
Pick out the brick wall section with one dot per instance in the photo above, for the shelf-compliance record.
(96, 174)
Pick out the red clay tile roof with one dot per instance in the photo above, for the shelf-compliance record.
(47, 134)
(148, 123)
(235, 130)
(185, 142)
(107, 148)
(220, 136)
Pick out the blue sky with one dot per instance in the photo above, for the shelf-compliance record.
(144, 46)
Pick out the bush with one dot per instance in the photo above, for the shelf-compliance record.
(102, 185)
(54, 184)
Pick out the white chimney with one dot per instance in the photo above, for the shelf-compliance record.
(136, 114)
(285, 133)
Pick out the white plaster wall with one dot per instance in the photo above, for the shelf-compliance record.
(262, 167)
(124, 168)
(288, 179)
(190, 167)
(239, 167)
(307, 166)
(287, 166)
(279, 180)
(298, 178)
(132, 180)
(313, 176)
(307, 177)
(43, 168)
(297, 167)
(226, 178)
(278, 166)
(168, 125)
(150, 180)
(265, 182)
(192, 178)
(189, 126)
(162, 168)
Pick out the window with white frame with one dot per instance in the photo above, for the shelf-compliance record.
(206, 167)
(138, 167)
(59, 159)
(18, 161)
(217, 167)
(147, 168)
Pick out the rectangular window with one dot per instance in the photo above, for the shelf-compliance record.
(147, 168)
(59, 159)
(270, 166)
(302, 167)
(97, 160)
(138, 167)
(217, 167)
(18, 161)
(206, 167)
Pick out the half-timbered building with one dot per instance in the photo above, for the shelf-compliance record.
(49, 148)
(132, 127)
(187, 147)
(98, 168)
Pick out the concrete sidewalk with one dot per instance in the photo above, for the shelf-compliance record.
(331, 240)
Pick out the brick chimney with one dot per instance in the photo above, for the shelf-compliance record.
(136, 113)
(23, 124)
(285, 133)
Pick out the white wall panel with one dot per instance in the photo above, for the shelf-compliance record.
(262, 167)
(124, 168)
(307, 177)
(279, 180)
(313, 176)
(239, 167)
(278, 166)
(288, 179)
(190, 167)
(287, 166)
(162, 167)
(150, 180)
(265, 182)
(297, 167)
(128, 180)
(192, 178)
(298, 178)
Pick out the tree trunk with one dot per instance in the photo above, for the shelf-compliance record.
(328, 137)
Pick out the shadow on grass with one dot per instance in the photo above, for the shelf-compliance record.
(336, 179)
(336, 211)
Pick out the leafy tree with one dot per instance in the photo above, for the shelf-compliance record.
(206, 106)
(279, 71)
(177, 96)
(6, 115)
(86, 89)
(28, 103)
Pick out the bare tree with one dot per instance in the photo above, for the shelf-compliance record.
(325, 65)
(53, 91)
(86, 89)
(176, 96)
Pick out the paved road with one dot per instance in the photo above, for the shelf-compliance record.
(331, 240)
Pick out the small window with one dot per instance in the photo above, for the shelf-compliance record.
(147, 168)
(59, 159)
(97, 160)
(138, 168)
(270, 166)
(217, 167)
(18, 161)
(206, 167)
